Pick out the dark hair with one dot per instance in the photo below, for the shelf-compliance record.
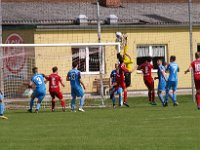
(35, 70)
(74, 64)
(197, 55)
(121, 59)
(172, 58)
(54, 69)
(148, 59)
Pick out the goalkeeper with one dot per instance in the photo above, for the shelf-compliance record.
(2, 107)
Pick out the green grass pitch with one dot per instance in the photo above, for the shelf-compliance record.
(140, 127)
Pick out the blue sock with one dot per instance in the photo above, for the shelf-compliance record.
(120, 99)
(161, 98)
(38, 106)
(82, 102)
(73, 103)
(31, 103)
(2, 108)
(167, 97)
(113, 99)
(174, 98)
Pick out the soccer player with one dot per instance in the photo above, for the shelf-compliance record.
(195, 66)
(172, 82)
(38, 80)
(54, 88)
(162, 81)
(120, 79)
(2, 107)
(146, 68)
(113, 84)
(74, 76)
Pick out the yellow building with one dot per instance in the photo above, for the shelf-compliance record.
(158, 35)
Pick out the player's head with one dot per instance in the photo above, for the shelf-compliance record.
(55, 69)
(172, 58)
(148, 59)
(116, 66)
(35, 70)
(75, 64)
(159, 61)
(197, 55)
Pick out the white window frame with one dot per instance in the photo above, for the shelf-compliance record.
(87, 72)
(151, 53)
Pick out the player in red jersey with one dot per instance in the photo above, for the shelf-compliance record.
(54, 88)
(195, 66)
(146, 68)
(120, 79)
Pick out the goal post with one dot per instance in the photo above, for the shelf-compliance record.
(19, 59)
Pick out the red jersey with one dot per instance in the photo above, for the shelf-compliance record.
(54, 80)
(196, 68)
(120, 72)
(146, 69)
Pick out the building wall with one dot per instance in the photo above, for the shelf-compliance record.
(177, 41)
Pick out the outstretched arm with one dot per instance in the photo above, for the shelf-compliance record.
(188, 70)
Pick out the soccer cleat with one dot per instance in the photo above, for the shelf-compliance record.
(52, 110)
(153, 103)
(63, 109)
(176, 104)
(198, 107)
(3, 117)
(36, 111)
(81, 110)
(114, 106)
(73, 110)
(166, 104)
(29, 110)
(126, 104)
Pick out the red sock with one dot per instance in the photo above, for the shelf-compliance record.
(53, 104)
(198, 99)
(153, 96)
(149, 95)
(125, 96)
(63, 103)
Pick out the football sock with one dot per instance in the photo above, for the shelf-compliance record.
(174, 98)
(125, 96)
(153, 96)
(63, 103)
(31, 103)
(120, 99)
(198, 99)
(73, 103)
(81, 102)
(2, 108)
(161, 98)
(53, 105)
(38, 106)
(113, 99)
(149, 95)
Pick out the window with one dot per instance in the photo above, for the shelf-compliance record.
(153, 51)
(198, 48)
(87, 58)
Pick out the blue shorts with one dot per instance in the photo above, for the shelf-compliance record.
(172, 85)
(39, 94)
(161, 86)
(77, 92)
(119, 90)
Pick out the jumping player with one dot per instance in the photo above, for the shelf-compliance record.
(2, 107)
(172, 82)
(146, 68)
(120, 79)
(54, 88)
(195, 66)
(162, 81)
(112, 85)
(40, 89)
(74, 76)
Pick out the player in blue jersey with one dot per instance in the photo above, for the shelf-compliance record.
(40, 89)
(2, 107)
(162, 81)
(74, 76)
(112, 86)
(172, 82)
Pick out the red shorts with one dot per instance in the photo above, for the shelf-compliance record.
(122, 84)
(57, 94)
(197, 84)
(149, 83)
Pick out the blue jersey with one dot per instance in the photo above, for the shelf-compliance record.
(173, 69)
(38, 80)
(113, 76)
(74, 76)
(161, 78)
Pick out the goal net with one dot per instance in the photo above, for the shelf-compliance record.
(17, 61)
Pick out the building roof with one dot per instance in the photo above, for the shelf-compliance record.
(42, 13)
